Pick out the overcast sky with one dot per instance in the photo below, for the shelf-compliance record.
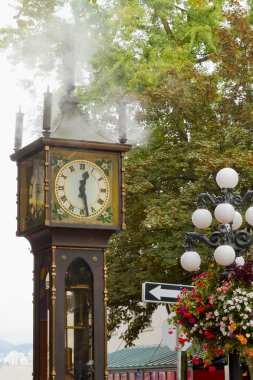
(16, 260)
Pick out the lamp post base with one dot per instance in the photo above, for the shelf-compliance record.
(235, 372)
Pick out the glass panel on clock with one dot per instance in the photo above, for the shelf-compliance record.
(32, 192)
(79, 321)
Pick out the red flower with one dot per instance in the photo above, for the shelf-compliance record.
(182, 340)
(200, 309)
(187, 315)
(212, 368)
(196, 361)
(209, 335)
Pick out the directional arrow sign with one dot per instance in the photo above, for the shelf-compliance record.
(162, 293)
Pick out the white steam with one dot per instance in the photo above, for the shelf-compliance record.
(58, 54)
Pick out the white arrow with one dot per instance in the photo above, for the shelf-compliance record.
(159, 293)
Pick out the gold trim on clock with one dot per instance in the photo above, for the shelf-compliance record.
(82, 189)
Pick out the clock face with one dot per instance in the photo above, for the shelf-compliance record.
(82, 189)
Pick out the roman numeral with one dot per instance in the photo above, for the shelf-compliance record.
(93, 210)
(82, 166)
(100, 179)
(103, 190)
(63, 176)
(100, 201)
(60, 188)
(82, 212)
(71, 168)
(71, 208)
(63, 198)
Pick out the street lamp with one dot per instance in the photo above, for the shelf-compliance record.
(230, 242)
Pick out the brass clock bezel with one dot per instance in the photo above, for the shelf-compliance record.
(62, 193)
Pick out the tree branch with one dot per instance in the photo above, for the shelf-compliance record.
(181, 9)
(204, 59)
(168, 29)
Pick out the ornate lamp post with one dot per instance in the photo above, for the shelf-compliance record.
(230, 241)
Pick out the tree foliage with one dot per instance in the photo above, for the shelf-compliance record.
(201, 118)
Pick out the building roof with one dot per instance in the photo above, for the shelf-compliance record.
(140, 357)
(73, 125)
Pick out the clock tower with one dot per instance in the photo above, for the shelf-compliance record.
(70, 201)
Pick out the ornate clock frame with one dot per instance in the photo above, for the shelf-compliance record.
(70, 292)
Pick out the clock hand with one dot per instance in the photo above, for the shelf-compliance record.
(82, 191)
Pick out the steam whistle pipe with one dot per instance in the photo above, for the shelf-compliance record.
(47, 113)
(122, 122)
(18, 130)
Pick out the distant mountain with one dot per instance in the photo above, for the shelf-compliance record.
(6, 347)
(25, 347)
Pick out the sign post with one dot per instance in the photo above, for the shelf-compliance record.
(164, 293)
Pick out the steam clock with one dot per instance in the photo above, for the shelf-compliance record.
(70, 201)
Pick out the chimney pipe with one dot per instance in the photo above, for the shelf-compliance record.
(122, 121)
(18, 130)
(47, 112)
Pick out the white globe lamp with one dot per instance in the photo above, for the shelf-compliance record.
(239, 260)
(190, 261)
(224, 213)
(249, 215)
(237, 221)
(227, 178)
(224, 255)
(202, 218)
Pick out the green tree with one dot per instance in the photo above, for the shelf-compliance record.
(201, 121)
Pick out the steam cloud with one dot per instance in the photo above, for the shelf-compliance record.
(59, 55)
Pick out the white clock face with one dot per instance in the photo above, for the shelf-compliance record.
(82, 188)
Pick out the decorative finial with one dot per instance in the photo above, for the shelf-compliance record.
(47, 113)
(122, 122)
(18, 130)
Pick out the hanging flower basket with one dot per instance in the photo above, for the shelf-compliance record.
(217, 315)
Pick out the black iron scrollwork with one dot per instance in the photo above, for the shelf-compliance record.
(192, 236)
(243, 239)
(226, 196)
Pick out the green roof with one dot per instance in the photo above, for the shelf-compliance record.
(140, 357)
